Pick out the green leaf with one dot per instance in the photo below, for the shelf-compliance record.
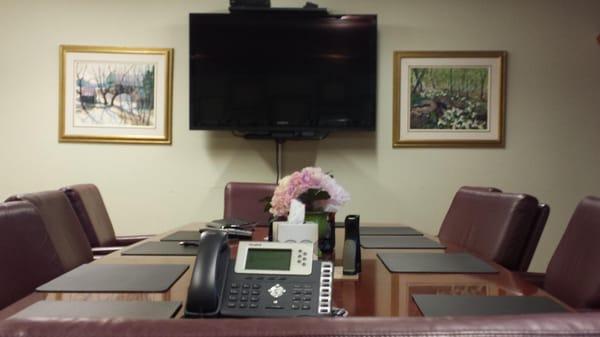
(267, 201)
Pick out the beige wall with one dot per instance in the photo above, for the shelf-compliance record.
(552, 126)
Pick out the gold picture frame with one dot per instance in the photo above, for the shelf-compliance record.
(115, 94)
(449, 98)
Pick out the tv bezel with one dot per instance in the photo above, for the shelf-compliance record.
(287, 132)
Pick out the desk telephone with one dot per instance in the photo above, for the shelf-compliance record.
(267, 279)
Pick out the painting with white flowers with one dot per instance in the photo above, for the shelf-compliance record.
(448, 99)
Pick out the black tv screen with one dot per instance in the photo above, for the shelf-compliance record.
(271, 73)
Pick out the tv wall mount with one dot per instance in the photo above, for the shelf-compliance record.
(264, 6)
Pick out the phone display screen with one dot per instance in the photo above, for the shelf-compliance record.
(268, 259)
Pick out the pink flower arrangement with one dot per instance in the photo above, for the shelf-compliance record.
(317, 189)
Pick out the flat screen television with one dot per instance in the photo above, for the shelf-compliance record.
(280, 75)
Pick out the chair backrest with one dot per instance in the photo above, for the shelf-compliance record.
(91, 211)
(573, 274)
(534, 236)
(493, 225)
(62, 225)
(27, 256)
(481, 188)
(243, 201)
(536, 230)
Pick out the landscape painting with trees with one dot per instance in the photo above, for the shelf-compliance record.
(114, 94)
(449, 98)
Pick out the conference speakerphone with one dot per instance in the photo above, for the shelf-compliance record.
(267, 279)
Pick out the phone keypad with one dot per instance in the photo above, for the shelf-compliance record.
(299, 301)
(273, 295)
(247, 295)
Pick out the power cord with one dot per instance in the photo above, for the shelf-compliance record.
(278, 158)
(339, 312)
(277, 161)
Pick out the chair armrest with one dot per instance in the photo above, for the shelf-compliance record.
(122, 241)
(99, 251)
(127, 240)
(535, 278)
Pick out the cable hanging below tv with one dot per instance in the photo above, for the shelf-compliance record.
(280, 75)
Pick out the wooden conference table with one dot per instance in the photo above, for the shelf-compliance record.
(374, 292)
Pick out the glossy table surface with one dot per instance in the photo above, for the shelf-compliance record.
(374, 292)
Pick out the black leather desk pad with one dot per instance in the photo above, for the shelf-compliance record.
(460, 263)
(399, 242)
(100, 309)
(162, 248)
(182, 236)
(113, 278)
(448, 305)
(400, 231)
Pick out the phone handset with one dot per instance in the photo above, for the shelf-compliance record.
(208, 276)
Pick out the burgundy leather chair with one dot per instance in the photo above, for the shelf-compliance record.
(244, 201)
(547, 325)
(481, 188)
(27, 256)
(93, 216)
(493, 225)
(62, 225)
(573, 274)
(534, 236)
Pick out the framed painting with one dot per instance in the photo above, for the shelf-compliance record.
(449, 99)
(115, 95)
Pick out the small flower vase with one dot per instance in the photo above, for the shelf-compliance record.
(326, 229)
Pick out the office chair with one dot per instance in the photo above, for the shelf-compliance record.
(535, 233)
(494, 225)
(244, 201)
(62, 225)
(93, 216)
(573, 275)
(27, 256)
(543, 211)
(480, 188)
